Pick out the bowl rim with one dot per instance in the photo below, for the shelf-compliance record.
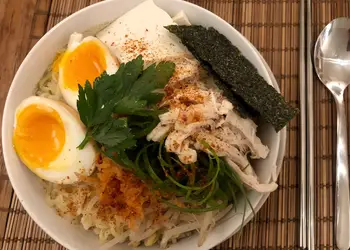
(281, 135)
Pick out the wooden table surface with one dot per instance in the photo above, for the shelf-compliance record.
(16, 38)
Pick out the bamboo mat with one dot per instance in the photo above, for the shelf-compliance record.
(325, 131)
(273, 27)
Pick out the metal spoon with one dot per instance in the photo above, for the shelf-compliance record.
(332, 64)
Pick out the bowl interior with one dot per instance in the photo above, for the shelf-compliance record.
(27, 186)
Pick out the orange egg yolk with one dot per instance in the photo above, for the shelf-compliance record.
(85, 63)
(57, 61)
(39, 135)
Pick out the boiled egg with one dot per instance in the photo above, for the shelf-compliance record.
(46, 136)
(84, 60)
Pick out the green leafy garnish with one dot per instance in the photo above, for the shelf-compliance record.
(110, 107)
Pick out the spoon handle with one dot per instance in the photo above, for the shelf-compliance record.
(342, 179)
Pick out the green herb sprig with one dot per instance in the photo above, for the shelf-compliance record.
(115, 106)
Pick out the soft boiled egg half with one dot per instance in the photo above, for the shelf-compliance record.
(46, 136)
(84, 60)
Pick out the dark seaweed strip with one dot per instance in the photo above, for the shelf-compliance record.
(240, 105)
(236, 72)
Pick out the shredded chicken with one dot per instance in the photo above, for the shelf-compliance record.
(251, 180)
(200, 113)
(247, 128)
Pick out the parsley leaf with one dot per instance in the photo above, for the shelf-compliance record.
(87, 104)
(107, 106)
(142, 126)
(113, 133)
(111, 88)
(154, 78)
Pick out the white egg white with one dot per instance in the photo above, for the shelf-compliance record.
(71, 161)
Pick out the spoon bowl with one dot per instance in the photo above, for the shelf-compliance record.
(332, 65)
(332, 52)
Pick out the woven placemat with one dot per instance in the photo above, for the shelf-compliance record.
(325, 130)
(273, 27)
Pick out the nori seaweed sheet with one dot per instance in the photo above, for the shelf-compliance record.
(244, 110)
(236, 72)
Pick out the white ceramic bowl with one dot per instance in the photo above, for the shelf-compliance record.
(27, 186)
